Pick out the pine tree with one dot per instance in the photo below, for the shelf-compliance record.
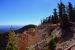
(52, 19)
(65, 18)
(62, 15)
(70, 8)
(41, 21)
(73, 14)
(11, 45)
(52, 44)
(55, 16)
(60, 11)
(44, 21)
(49, 19)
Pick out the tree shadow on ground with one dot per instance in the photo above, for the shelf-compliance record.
(67, 32)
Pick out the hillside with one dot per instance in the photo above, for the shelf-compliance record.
(41, 35)
(35, 36)
(4, 36)
(41, 32)
(66, 38)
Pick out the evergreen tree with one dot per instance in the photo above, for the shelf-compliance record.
(49, 19)
(62, 15)
(44, 21)
(41, 21)
(52, 44)
(65, 18)
(73, 19)
(52, 19)
(55, 16)
(60, 11)
(70, 8)
(11, 45)
(71, 12)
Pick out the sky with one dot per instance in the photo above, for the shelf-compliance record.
(24, 12)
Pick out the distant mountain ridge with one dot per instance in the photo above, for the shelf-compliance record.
(25, 28)
(5, 28)
(19, 29)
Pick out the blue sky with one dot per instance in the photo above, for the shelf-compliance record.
(24, 12)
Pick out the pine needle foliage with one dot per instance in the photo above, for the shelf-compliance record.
(11, 41)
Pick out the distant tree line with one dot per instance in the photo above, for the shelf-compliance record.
(64, 15)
